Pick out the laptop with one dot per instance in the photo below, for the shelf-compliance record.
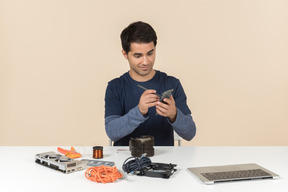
(228, 173)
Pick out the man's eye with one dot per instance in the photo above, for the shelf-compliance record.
(137, 56)
(150, 53)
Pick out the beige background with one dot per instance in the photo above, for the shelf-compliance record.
(57, 57)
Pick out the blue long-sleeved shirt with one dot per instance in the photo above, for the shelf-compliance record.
(123, 119)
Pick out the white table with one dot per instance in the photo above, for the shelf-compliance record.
(19, 172)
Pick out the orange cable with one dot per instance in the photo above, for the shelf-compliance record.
(103, 174)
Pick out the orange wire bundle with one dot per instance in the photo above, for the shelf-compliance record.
(103, 174)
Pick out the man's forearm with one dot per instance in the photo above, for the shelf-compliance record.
(117, 126)
(184, 126)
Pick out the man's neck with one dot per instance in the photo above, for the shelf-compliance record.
(140, 78)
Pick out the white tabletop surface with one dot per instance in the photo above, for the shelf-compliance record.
(19, 172)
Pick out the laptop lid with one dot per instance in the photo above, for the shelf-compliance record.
(227, 173)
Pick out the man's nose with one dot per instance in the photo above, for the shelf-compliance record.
(145, 60)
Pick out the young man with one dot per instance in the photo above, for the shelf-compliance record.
(131, 111)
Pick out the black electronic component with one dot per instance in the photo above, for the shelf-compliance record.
(142, 145)
(167, 95)
(161, 170)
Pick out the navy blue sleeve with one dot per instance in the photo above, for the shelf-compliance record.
(181, 99)
(112, 99)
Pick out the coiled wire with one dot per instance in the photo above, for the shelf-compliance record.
(103, 174)
(133, 164)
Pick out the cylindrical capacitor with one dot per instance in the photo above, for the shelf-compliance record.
(97, 152)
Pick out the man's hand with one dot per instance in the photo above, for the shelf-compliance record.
(167, 110)
(148, 99)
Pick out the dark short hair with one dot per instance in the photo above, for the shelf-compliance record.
(137, 32)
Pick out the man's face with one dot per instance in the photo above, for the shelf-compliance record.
(141, 59)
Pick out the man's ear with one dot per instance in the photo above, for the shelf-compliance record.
(125, 54)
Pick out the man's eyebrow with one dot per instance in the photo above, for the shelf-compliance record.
(151, 50)
(137, 54)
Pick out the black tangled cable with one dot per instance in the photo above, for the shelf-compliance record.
(133, 164)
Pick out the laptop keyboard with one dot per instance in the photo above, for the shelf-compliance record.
(237, 175)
